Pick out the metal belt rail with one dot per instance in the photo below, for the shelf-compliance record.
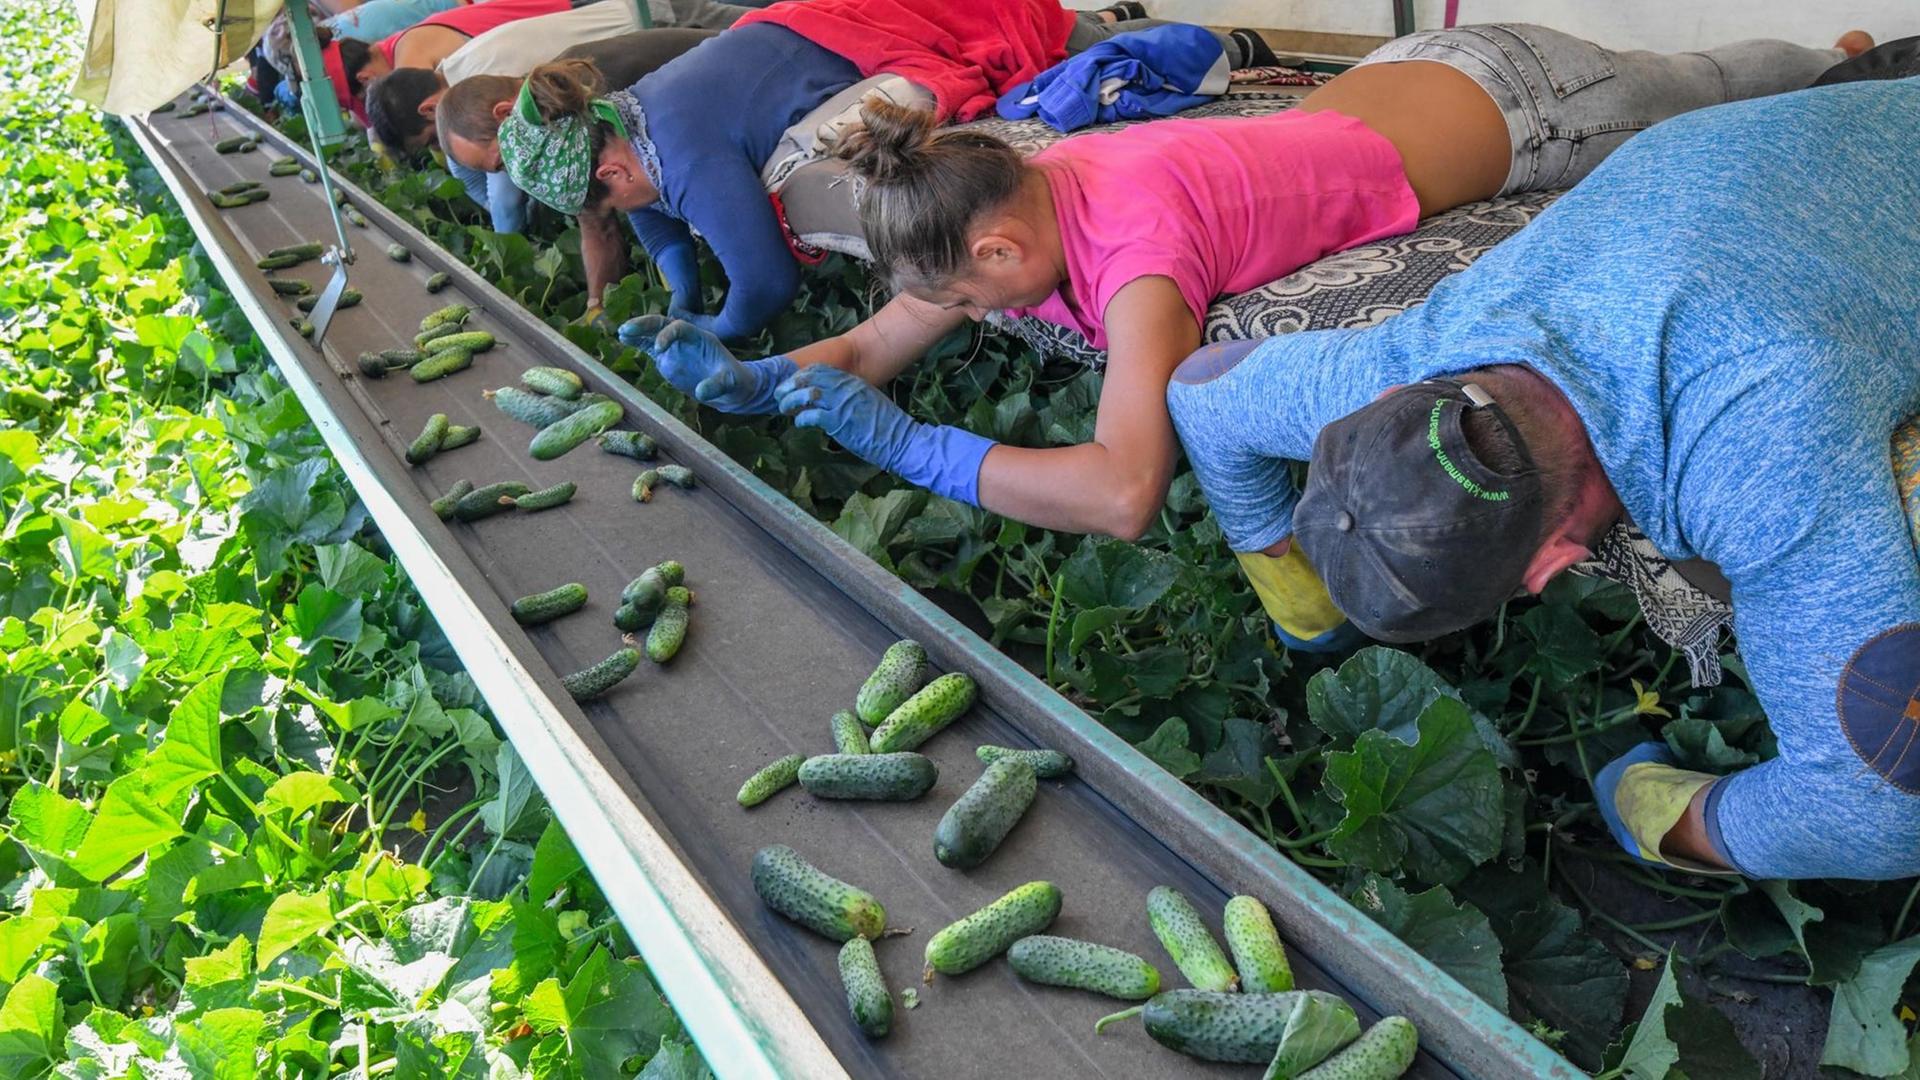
(788, 620)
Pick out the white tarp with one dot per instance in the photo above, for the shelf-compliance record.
(142, 53)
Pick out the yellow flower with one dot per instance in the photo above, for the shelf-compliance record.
(1647, 702)
(418, 822)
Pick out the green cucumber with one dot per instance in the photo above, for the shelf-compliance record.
(234, 202)
(356, 217)
(228, 146)
(443, 506)
(899, 777)
(643, 485)
(284, 167)
(849, 736)
(289, 287)
(631, 618)
(437, 281)
(425, 337)
(544, 499)
(239, 187)
(921, 716)
(451, 315)
(441, 364)
(340, 198)
(900, 671)
(303, 251)
(678, 475)
(981, 818)
(1216, 1026)
(459, 435)
(303, 327)
(993, 929)
(427, 443)
(603, 676)
(485, 501)
(670, 573)
(774, 777)
(374, 366)
(867, 993)
(669, 630)
(1383, 1053)
(1188, 941)
(399, 253)
(563, 435)
(1255, 944)
(278, 262)
(348, 298)
(542, 607)
(632, 444)
(650, 588)
(553, 381)
(402, 357)
(309, 176)
(470, 340)
(530, 408)
(824, 904)
(1046, 764)
(1083, 965)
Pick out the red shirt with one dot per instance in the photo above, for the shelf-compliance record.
(1219, 205)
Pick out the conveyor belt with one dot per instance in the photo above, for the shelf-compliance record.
(788, 621)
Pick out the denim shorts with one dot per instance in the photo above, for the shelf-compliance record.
(1568, 103)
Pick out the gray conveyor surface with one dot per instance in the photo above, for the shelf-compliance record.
(778, 643)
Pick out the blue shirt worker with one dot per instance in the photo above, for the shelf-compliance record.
(1714, 337)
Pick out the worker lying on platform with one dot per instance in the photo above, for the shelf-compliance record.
(403, 105)
(1712, 339)
(700, 144)
(1127, 238)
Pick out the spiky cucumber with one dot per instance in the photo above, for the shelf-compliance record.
(669, 630)
(900, 777)
(485, 501)
(849, 735)
(993, 929)
(478, 341)
(630, 444)
(603, 676)
(563, 435)
(278, 262)
(820, 902)
(1386, 1051)
(1046, 764)
(553, 381)
(1317, 1025)
(921, 716)
(228, 146)
(981, 818)
(774, 777)
(451, 315)
(427, 443)
(867, 994)
(459, 435)
(443, 507)
(900, 671)
(284, 167)
(1216, 1026)
(543, 607)
(530, 408)
(348, 298)
(1257, 953)
(1188, 941)
(1083, 965)
(437, 281)
(441, 364)
(422, 339)
(644, 484)
(398, 252)
(290, 287)
(679, 476)
(545, 499)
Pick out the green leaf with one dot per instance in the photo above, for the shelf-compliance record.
(1433, 807)
(83, 553)
(1167, 746)
(1239, 764)
(291, 920)
(1863, 1034)
(554, 861)
(1455, 936)
(1317, 1025)
(123, 660)
(1651, 1054)
(299, 792)
(1833, 947)
(870, 524)
(612, 1013)
(190, 750)
(126, 824)
(1116, 574)
(22, 939)
(108, 951)
(47, 822)
(1565, 647)
(676, 1060)
(19, 453)
(350, 569)
(516, 808)
(1377, 688)
(30, 1027)
(229, 963)
(1680, 1036)
(324, 615)
(1698, 745)
(1562, 974)
(223, 1045)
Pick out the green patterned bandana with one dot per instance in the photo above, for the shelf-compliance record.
(552, 160)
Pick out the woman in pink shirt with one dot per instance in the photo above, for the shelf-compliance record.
(1128, 238)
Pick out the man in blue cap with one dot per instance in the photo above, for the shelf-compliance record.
(1713, 340)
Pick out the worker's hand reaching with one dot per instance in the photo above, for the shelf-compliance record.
(860, 417)
(696, 363)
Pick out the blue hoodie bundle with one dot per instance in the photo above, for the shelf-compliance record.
(1133, 76)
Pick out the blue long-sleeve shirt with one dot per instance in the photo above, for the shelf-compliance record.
(714, 116)
(1731, 303)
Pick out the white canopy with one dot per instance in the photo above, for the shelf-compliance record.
(141, 54)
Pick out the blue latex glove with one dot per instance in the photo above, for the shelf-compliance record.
(695, 362)
(706, 323)
(944, 460)
(1341, 639)
(680, 266)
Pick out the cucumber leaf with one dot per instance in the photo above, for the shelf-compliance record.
(1318, 1025)
(1433, 808)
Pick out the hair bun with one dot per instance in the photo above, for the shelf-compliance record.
(889, 141)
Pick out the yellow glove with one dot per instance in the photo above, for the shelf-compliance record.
(1296, 600)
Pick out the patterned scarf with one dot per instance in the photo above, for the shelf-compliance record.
(553, 160)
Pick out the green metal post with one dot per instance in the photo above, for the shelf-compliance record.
(316, 90)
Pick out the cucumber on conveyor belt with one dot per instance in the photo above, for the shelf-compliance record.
(444, 506)
(232, 202)
(459, 435)
(849, 735)
(290, 287)
(240, 187)
(441, 364)
(993, 929)
(654, 582)
(284, 167)
(603, 676)
(427, 443)
(229, 146)
(678, 475)
(473, 341)
(309, 175)
(1215, 1026)
(823, 904)
(553, 381)
(900, 672)
(774, 777)
(669, 630)
(399, 253)
(451, 315)
(376, 365)
(563, 435)
(1384, 1052)
(1083, 965)
(484, 502)
(867, 995)
(544, 607)
(425, 337)
(900, 777)
(1188, 941)
(923, 715)
(1257, 953)
(644, 484)
(973, 827)
(437, 281)
(630, 444)
(1046, 764)
(530, 408)
(545, 499)
(348, 298)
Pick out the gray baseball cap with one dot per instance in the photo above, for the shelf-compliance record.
(1414, 534)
